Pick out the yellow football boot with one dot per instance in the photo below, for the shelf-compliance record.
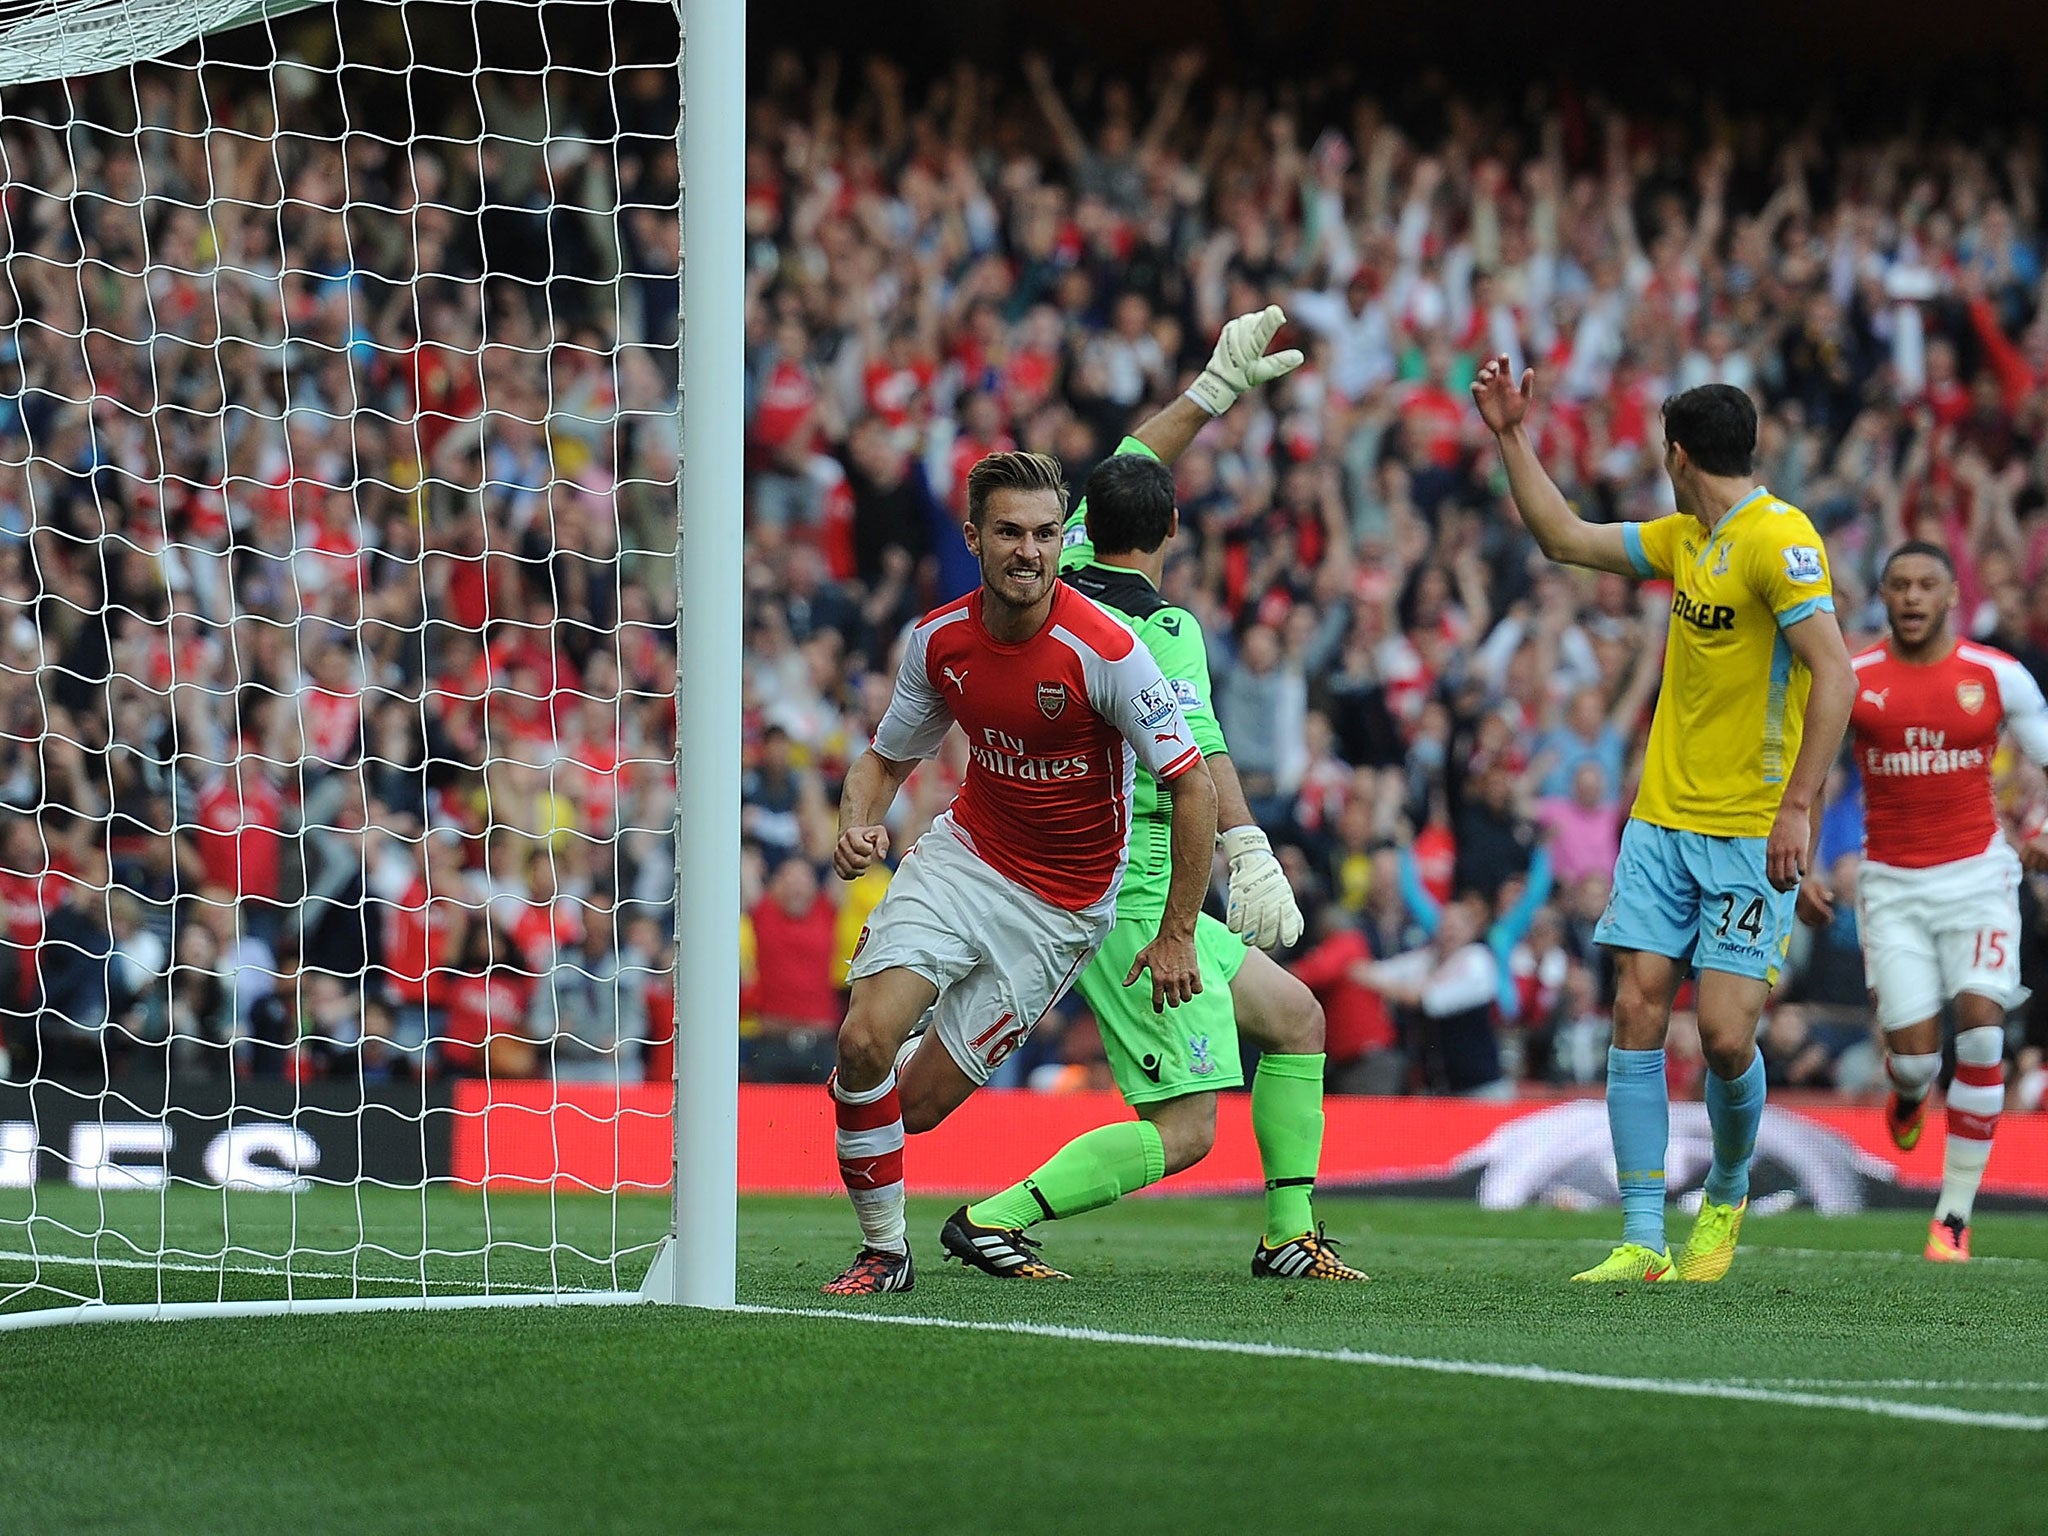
(1711, 1248)
(1632, 1261)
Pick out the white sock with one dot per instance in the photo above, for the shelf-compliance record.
(1975, 1098)
(1962, 1169)
(869, 1137)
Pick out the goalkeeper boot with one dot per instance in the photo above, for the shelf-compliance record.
(1711, 1248)
(1903, 1120)
(875, 1271)
(1004, 1252)
(1311, 1256)
(1632, 1261)
(1948, 1240)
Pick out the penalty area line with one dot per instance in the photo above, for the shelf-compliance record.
(1932, 1413)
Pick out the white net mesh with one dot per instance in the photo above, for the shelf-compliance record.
(337, 514)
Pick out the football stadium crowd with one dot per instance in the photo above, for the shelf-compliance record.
(338, 496)
(349, 667)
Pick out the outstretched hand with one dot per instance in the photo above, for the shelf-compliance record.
(1502, 403)
(1240, 363)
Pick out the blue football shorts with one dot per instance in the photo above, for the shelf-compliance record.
(1698, 898)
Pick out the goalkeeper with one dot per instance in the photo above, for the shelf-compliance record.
(1170, 1065)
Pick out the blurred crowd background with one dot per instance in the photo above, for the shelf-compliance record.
(338, 447)
(337, 473)
(1440, 730)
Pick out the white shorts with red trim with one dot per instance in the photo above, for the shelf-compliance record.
(1932, 934)
(1000, 956)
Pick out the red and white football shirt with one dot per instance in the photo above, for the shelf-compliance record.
(1925, 737)
(419, 940)
(1054, 725)
(26, 898)
(478, 1008)
(240, 834)
(333, 721)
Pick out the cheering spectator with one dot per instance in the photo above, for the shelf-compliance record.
(1364, 1054)
(1261, 705)
(75, 978)
(1449, 990)
(588, 1017)
(488, 1002)
(1584, 828)
(425, 930)
(799, 994)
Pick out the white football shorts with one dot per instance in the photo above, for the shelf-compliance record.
(999, 955)
(1931, 934)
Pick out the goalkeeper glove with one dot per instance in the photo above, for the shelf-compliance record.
(1239, 362)
(1262, 909)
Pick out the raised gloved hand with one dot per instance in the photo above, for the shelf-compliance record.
(1262, 908)
(1239, 362)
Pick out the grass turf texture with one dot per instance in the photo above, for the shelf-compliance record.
(644, 1419)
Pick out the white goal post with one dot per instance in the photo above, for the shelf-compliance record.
(370, 609)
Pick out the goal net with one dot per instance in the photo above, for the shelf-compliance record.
(338, 487)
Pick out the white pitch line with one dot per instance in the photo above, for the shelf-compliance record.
(86, 1261)
(1935, 1413)
(1894, 1383)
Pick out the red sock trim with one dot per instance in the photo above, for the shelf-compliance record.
(1971, 1075)
(886, 1110)
(1971, 1127)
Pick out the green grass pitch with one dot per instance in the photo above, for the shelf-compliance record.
(644, 1419)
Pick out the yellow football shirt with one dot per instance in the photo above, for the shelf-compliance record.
(1733, 700)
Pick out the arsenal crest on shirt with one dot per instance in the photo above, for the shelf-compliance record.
(1052, 699)
(1971, 696)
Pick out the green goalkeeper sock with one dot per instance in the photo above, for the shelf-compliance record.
(1089, 1172)
(1287, 1119)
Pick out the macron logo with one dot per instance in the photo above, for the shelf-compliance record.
(1876, 696)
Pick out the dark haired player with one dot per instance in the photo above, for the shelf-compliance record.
(1756, 692)
(1170, 1066)
(1937, 898)
(1001, 904)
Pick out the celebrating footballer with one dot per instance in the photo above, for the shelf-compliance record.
(1937, 896)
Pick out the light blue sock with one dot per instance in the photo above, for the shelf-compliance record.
(1735, 1106)
(1639, 1116)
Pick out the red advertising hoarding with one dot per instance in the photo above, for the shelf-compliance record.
(1832, 1157)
